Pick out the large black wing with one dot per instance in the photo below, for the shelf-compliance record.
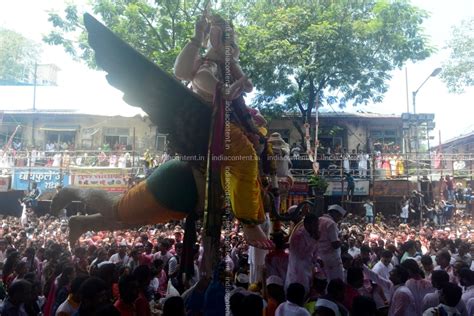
(175, 109)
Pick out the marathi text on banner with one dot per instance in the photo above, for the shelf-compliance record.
(113, 180)
(46, 178)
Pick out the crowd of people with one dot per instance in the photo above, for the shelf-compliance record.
(335, 264)
(65, 159)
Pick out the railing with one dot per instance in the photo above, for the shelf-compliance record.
(382, 166)
(396, 166)
(78, 158)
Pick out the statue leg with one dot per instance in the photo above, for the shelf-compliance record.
(102, 201)
(239, 177)
(170, 193)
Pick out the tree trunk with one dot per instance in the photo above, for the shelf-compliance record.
(297, 125)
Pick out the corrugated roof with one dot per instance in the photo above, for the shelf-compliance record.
(343, 114)
(459, 138)
(15, 98)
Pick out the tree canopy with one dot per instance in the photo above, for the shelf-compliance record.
(333, 52)
(296, 52)
(17, 57)
(458, 70)
(157, 29)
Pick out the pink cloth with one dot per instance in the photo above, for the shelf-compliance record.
(450, 270)
(331, 257)
(468, 295)
(163, 279)
(432, 300)
(49, 304)
(402, 302)
(276, 263)
(419, 289)
(302, 258)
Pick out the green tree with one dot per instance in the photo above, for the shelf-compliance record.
(331, 52)
(458, 70)
(296, 52)
(17, 57)
(157, 29)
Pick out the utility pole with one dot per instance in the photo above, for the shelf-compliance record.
(433, 74)
(33, 116)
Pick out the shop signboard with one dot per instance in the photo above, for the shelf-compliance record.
(335, 188)
(109, 179)
(394, 188)
(46, 178)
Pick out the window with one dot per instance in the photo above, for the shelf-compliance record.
(161, 142)
(114, 140)
(116, 131)
(59, 137)
(116, 136)
(330, 142)
(385, 140)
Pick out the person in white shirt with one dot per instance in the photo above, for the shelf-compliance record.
(417, 283)
(57, 160)
(329, 245)
(449, 297)
(323, 304)
(164, 252)
(122, 161)
(427, 266)
(438, 279)
(121, 257)
(293, 306)
(384, 266)
(466, 279)
(404, 213)
(463, 254)
(402, 302)
(353, 250)
(363, 158)
(369, 211)
(443, 259)
(470, 307)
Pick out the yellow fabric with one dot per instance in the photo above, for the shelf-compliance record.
(239, 177)
(139, 206)
(272, 159)
(400, 167)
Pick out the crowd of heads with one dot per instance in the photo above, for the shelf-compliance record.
(40, 269)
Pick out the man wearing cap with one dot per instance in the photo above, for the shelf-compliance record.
(283, 165)
(303, 252)
(329, 245)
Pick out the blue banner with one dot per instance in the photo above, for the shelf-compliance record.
(46, 178)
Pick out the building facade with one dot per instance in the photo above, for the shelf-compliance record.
(79, 131)
(367, 132)
(455, 156)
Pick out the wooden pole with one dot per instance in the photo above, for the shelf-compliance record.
(133, 152)
(442, 167)
(406, 88)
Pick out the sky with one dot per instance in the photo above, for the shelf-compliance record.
(80, 88)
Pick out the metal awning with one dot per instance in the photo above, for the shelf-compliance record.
(60, 128)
